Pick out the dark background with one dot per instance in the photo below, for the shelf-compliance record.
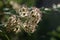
(46, 3)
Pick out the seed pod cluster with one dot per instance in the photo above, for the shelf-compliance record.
(27, 18)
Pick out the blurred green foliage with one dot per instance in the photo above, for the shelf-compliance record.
(25, 2)
(48, 28)
(1, 4)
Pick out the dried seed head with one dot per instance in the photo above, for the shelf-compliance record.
(13, 24)
(23, 12)
(36, 13)
(32, 16)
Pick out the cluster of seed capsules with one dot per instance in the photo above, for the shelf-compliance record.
(27, 18)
